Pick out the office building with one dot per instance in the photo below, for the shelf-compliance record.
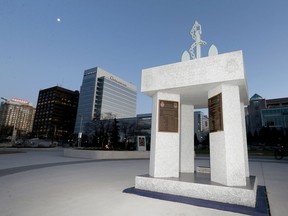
(275, 118)
(254, 120)
(201, 125)
(55, 113)
(276, 114)
(272, 113)
(276, 103)
(17, 113)
(103, 96)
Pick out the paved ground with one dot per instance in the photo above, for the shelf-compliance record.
(46, 183)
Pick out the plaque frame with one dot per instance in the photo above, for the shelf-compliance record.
(215, 113)
(168, 116)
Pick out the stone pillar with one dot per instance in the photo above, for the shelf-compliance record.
(164, 150)
(227, 159)
(245, 139)
(187, 139)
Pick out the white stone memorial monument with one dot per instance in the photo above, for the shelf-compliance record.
(219, 83)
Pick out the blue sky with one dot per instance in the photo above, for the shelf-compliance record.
(126, 36)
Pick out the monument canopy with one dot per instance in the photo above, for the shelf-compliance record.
(194, 78)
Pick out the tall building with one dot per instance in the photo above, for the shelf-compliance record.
(55, 113)
(104, 95)
(17, 113)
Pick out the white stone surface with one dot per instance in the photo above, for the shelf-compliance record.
(193, 79)
(191, 83)
(228, 165)
(185, 56)
(213, 50)
(192, 188)
(242, 108)
(218, 158)
(164, 150)
(187, 139)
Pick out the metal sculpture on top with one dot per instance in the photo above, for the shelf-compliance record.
(196, 35)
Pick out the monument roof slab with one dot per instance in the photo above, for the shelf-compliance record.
(193, 79)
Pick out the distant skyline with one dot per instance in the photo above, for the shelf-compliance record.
(51, 42)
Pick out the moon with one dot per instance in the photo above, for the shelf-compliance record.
(58, 19)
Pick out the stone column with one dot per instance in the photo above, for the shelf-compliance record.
(187, 139)
(245, 139)
(227, 158)
(164, 150)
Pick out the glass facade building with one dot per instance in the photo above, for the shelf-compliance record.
(104, 96)
(272, 113)
(276, 117)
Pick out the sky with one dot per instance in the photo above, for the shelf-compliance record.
(51, 42)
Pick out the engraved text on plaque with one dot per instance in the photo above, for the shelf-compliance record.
(215, 113)
(168, 116)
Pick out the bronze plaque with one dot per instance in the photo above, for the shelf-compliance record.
(168, 116)
(215, 113)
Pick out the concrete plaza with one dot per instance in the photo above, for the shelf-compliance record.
(43, 182)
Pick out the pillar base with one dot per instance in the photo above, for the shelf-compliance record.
(200, 186)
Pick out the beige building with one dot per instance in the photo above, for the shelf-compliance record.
(17, 113)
